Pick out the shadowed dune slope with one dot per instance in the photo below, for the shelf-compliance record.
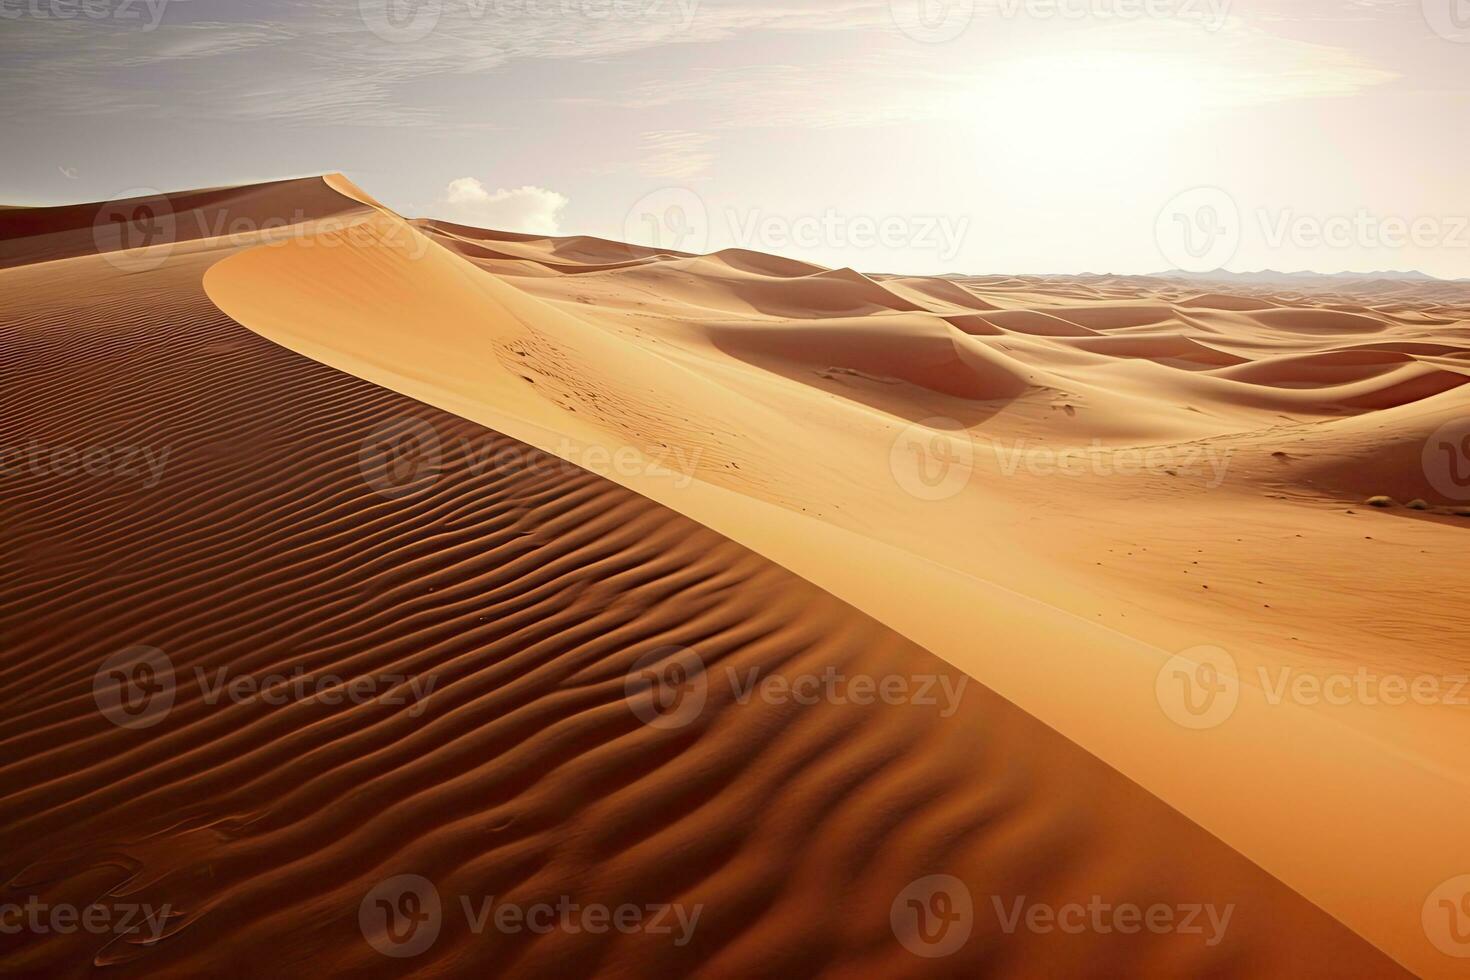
(919, 351)
(29, 235)
(525, 590)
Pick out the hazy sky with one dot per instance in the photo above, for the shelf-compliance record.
(889, 135)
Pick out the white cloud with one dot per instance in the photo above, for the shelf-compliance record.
(530, 210)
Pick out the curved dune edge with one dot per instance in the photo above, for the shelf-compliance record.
(177, 221)
(427, 324)
(526, 589)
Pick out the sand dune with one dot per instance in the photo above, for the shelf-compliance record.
(804, 463)
(1227, 301)
(936, 295)
(160, 222)
(526, 590)
(1036, 322)
(779, 514)
(918, 352)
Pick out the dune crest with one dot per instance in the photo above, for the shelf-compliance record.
(809, 463)
(504, 598)
(949, 467)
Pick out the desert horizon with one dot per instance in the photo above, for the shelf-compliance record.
(652, 555)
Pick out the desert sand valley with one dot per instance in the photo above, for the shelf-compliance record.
(1118, 528)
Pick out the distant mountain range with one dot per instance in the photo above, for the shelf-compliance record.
(1271, 276)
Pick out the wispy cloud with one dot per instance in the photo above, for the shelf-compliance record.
(532, 210)
(326, 65)
(676, 154)
(293, 61)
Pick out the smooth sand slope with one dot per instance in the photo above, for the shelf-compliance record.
(277, 532)
(1056, 485)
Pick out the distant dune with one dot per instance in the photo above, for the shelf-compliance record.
(1033, 490)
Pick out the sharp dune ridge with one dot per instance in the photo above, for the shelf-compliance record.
(270, 366)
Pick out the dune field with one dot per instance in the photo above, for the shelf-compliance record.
(560, 505)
